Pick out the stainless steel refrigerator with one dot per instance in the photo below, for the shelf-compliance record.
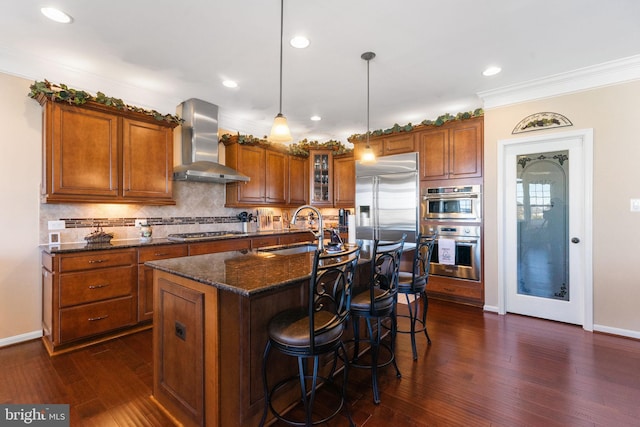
(387, 198)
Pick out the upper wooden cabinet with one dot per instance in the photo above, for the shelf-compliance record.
(321, 182)
(387, 145)
(452, 151)
(97, 154)
(275, 177)
(344, 181)
(298, 181)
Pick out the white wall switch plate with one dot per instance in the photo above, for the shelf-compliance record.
(635, 205)
(56, 225)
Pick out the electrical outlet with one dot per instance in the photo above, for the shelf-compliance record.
(57, 225)
(140, 222)
(54, 238)
(635, 205)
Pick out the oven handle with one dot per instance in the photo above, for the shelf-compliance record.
(464, 242)
(451, 196)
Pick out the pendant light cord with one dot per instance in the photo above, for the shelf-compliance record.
(368, 56)
(281, 37)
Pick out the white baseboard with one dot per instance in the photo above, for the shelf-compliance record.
(491, 308)
(20, 338)
(617, 331)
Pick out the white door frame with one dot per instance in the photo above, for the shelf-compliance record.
(586, 136)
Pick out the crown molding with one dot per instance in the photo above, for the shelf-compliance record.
(605, 74)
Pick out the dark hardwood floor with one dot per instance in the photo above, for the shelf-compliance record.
(481, 370)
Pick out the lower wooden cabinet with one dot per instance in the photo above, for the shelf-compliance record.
(87, 294)
(145, 275)
(92, 296)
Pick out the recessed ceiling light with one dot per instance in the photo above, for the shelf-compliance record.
(229, 83)
(316, 118)
(299, 42)
(491, 71)
(56, 15)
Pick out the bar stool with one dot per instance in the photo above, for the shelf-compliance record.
(314, 330)
(378, 302)
(413, 285)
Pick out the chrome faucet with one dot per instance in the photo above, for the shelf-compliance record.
(320, 234)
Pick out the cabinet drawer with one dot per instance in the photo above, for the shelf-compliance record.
(261, 242)
(162, 252)
(295, 238)
(219, 246)
(97, 260)
(470, 291)
(90, 286)
(96, 318)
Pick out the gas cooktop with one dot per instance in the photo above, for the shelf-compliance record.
(205, 235)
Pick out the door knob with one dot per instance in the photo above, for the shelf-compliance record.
(575, 240)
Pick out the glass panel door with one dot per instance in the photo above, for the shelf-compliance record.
(543, 225)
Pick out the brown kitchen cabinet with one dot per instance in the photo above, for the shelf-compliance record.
(145, 275)
(87, 295)
(321, 178)
(344, 181)
(98, 154)
(298, 181)
(452, 151)
(268, 171)
(387, 145)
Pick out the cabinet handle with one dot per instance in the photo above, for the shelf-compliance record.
(94, 319)
(99, 286)
(449, 289)
(96, 261)
(160, 254)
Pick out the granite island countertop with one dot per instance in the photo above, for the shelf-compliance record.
(246, 272)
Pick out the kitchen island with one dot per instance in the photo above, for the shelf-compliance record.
(210, 329)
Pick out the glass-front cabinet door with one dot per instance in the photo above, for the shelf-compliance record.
(321, 164)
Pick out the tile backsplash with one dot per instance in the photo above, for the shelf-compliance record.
(199, 207)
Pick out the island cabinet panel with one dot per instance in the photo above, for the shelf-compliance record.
(180, 346)
(87, 295)
(145, 275)
(98, 154)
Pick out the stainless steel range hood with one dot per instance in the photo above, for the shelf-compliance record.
(199, 145)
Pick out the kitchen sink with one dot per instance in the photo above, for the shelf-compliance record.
(289, 249)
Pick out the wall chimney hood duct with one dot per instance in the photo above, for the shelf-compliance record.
(199, 145)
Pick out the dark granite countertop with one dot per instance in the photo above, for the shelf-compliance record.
(139, 243)
(245, 272)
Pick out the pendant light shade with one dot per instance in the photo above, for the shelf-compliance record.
(368, 156)
(280, 130)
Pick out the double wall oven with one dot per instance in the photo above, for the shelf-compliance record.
(454, 213)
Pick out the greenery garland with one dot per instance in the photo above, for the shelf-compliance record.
(63, 93)
(300, 148)
(396, 128)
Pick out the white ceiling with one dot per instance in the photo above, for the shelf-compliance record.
(430, 55)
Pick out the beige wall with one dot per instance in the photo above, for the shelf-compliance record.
(612, 112)
(20, 125)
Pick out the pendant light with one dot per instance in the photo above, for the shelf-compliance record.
(368, 156)
(280, 130)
